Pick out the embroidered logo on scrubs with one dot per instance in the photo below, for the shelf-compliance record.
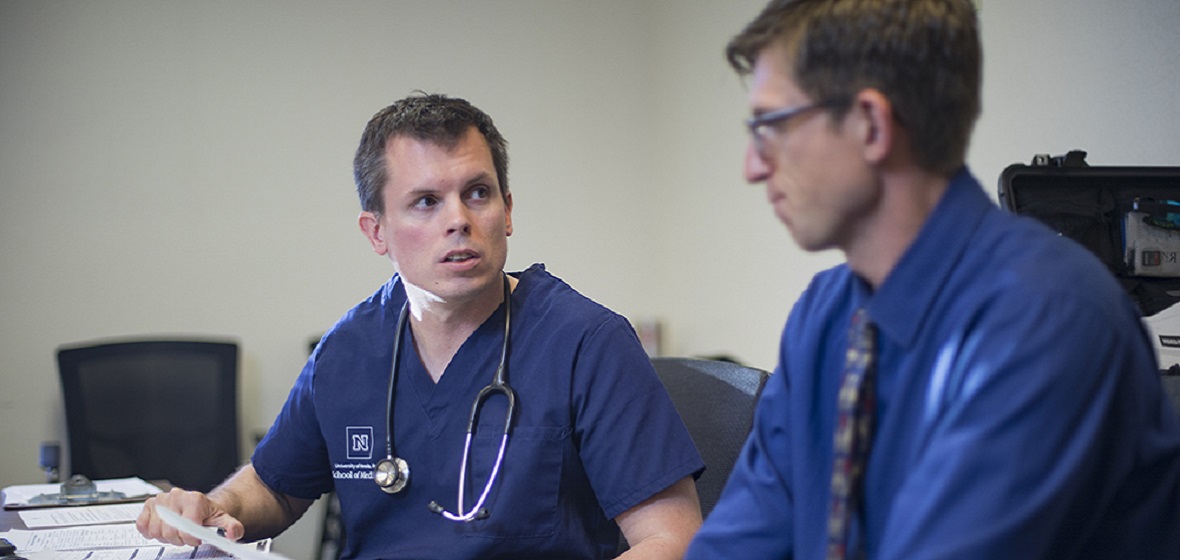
(360, 442)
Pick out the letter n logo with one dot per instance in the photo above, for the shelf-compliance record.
(360, 442)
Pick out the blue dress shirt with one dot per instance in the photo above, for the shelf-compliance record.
(1020, 413)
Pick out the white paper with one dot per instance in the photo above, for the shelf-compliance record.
(159, 552)
(104, 542)
(20, 495)
(122, 535)
(208, 535)
(71, 516)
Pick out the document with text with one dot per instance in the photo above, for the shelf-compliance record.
(71, 516)
(109, 542)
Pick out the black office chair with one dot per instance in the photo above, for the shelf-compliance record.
(331, 529)
(156, 409)
(716, 399)
(332, 533)
(1171, 382)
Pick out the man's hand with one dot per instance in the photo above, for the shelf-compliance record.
(191, 505)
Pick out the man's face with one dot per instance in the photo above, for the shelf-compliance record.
(815, 177)
(445, 225)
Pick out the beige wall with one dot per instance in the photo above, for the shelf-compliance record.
(184, 168)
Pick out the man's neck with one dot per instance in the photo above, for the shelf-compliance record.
(440, 328)
(907, 201)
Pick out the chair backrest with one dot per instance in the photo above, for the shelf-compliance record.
(156, 409)
(1172, 389)
(716, 399)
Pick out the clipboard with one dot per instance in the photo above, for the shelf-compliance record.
(78, 491)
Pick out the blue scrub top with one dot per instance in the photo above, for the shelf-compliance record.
(595, 433)
(1019, 409)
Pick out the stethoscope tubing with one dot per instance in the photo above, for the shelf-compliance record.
(398, 469)
(397, 356)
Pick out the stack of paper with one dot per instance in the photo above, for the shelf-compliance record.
(107, 532)
(117, 541)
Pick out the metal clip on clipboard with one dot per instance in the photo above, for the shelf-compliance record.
(8, 551)
(78, 490)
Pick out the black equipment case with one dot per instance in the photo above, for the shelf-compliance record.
(1128, 216)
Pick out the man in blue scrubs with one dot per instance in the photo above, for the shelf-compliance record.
(1018, 411)
(594, 438)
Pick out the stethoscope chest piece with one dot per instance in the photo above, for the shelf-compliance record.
(392, 474)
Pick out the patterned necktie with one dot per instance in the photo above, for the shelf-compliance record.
(854, 431)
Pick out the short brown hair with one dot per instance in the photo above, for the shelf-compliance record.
(923, 55)
(433, 118)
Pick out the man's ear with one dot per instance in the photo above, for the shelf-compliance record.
(508, 213)
(370, 225)
(879, 132)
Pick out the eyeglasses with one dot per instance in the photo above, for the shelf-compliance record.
(762, 127)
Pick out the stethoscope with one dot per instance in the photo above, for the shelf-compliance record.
(393, 473)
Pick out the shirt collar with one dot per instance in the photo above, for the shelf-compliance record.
(904, 300)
